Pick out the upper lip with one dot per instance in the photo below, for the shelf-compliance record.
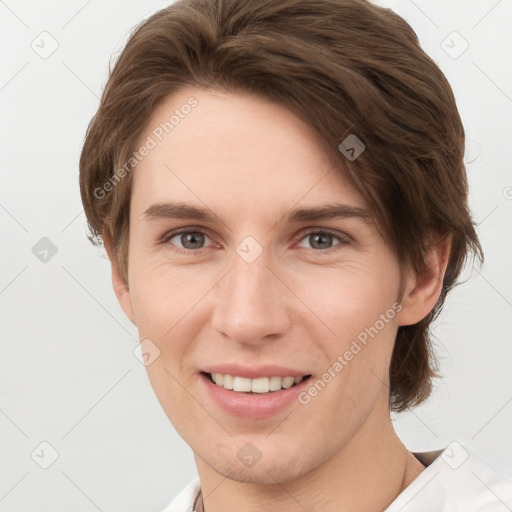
(254, 372)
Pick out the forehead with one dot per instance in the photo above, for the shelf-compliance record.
(236, 150)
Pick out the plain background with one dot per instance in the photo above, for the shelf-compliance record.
(68, 373)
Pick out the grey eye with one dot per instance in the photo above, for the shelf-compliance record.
(190, 239)
(321, 240)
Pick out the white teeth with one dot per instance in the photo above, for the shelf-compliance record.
(275, 383)
(259, 385)
(241, 384)
(287, 382)
(228, 382)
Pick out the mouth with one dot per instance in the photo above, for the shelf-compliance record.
(258, 386)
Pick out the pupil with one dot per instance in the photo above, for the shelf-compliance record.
(317, 236)
(190, 239)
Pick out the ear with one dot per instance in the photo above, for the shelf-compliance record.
(422, 291)
(119, 284)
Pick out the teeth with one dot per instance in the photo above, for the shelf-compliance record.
(259, 385)
(241, 384)
(228, 381)
(275, 383)
(287, 382)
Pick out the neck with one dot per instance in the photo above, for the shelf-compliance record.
(366, 475)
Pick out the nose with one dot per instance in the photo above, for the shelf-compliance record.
(252, 305)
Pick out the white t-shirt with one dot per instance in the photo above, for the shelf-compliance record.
(454, 480)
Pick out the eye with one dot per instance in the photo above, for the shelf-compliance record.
(189, 239)
(321, 240)
(194, 239)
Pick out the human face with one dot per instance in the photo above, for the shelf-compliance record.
(253, 293)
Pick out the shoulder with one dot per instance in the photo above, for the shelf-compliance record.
(184, 501)
(455, 479)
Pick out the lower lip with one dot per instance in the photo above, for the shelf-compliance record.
(252, 405)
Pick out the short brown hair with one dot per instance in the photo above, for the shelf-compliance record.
(345, 67)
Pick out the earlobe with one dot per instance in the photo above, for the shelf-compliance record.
(118, 283)
(422, 291)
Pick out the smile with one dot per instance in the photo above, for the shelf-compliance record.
(259, 385)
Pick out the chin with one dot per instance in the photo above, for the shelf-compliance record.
(280, 465)
(262, 473)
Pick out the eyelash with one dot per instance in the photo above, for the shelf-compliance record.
(343, 239)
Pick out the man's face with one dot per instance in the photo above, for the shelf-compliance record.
(253, 293)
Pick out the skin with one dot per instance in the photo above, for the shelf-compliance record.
(250, 161)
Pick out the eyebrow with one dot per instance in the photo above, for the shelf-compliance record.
(180, 210)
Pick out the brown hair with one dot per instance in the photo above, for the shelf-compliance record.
(345, 67)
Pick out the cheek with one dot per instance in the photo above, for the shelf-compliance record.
(346, 298)
(162, 294)
(359, 307)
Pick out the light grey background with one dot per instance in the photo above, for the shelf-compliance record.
(68, 373)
